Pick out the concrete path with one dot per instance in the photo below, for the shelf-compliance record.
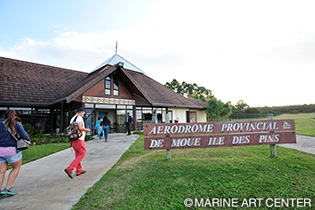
(303, 143)
(43, 184)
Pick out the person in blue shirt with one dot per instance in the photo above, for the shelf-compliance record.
(99, 127)
(8, 151)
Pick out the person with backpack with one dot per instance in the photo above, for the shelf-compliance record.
(78, 145)
(10, 126)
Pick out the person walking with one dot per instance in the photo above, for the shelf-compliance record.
(106, 123)
(78, 146)
(129, 120)
(99, 127)
(8, 152)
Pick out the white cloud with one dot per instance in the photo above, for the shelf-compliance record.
(260, 52)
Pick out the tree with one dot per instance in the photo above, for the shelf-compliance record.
(216, 109)
(198, 96)
(175, 86)
(253, 110)
(227, 109)
(241, 105)
(190, 90)
(207, 93)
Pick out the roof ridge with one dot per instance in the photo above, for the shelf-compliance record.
(117, 59)
(130, 63)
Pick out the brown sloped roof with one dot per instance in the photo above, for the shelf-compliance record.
(159, 95)
(26, 82)
(198, 102)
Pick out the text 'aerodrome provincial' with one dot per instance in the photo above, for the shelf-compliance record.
(238, 133)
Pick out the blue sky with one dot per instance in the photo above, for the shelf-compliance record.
(261, 52)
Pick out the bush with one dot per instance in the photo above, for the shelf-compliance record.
(42, 138)
(30, 130)
(38, 137)
(88, 138)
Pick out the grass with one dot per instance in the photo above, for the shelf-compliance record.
(304, 122)
(144, 179)
(39, 151)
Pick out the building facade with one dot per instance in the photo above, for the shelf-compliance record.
(47, 97)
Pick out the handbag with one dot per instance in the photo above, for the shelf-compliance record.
(21, 144)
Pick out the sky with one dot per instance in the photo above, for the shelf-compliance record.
(258, 51)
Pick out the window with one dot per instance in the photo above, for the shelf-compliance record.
(107, 85)
(116, 87)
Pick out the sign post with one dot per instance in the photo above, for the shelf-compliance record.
(155, 121)
(168, 151)
(273, 149)
(218, 134)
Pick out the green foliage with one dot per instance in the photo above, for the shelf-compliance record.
(197, 96)
(38, 137)
(190, 90)
(30, 130)
(293, 109)
(41, 138)
(88, 138)
(252, 110)
(216, 109)
(138, 132)
(242, 110)
(241, 105)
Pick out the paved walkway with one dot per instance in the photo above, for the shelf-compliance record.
(43, 184)
(303, 143)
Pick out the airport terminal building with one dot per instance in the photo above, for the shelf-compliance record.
(48, 96)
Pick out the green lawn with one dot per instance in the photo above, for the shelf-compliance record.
(146, 180)
(39, 151)
(304, 123)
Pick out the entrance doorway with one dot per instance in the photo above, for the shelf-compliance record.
(121, 120)
(115, 113)
(110, 113)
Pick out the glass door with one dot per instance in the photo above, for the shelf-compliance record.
(121, 121)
